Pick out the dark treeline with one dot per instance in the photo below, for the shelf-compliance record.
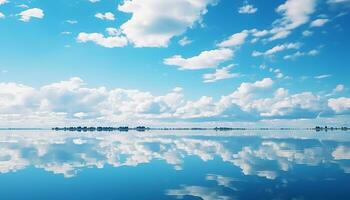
(143, 128)
(100, 128)
(326, 128)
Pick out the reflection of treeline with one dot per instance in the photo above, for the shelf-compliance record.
(100, 128)
(326, 128)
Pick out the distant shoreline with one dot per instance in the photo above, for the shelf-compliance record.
(143, 129)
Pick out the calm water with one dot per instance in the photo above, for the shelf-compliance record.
(175, 165)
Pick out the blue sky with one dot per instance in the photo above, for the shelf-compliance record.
(212, 62)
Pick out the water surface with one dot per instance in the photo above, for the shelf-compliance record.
(159, 165)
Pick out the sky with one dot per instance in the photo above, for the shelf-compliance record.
(174, 63)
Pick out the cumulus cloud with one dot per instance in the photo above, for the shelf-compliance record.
(339, 88)
(278, 73)
(307, 33)
(71, 101)
(105, 16)
(71, 21)
(185, 41)
(111, 41)
(247, 9)
(318, 22)
(2, 2)
(220, 74)
(206, 59)
(297, 54)
(113, 31)
(259, 33)
(234, 40)
(2, 16)
(31, 13)
(340, 105)
(246, 89)
(16, 98)
(152, 24)
(277, 49)
(294, 14)
(285, 105)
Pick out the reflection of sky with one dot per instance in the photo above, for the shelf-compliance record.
(220, 165)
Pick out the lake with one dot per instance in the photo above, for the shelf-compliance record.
(158, 165)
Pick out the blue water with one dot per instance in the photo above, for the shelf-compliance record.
(160, 165)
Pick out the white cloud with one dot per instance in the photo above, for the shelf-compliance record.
(72, 102)
(23, 6)
(206, 59)
(283, 104)
(339, 88)
(246, 90)
(2, 2)
(94, 1)
(247, 9)
(257, 33)
(80, 115)
(2, 16)
(340, 105)
(279, 34)
(234, 40)
(318, 22)
(113, 31)
(313, 52)
(31, 13)
(153, 24)
(240, 100)
(71, 21)
(295, 13)
(307, 33)
(323, 76)
(185, 41)
(203, 107)
(278, 73)
(105, 16)
(297, 54)
(220, 74)
(16, 98)
(98, 38)
(277, 49)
